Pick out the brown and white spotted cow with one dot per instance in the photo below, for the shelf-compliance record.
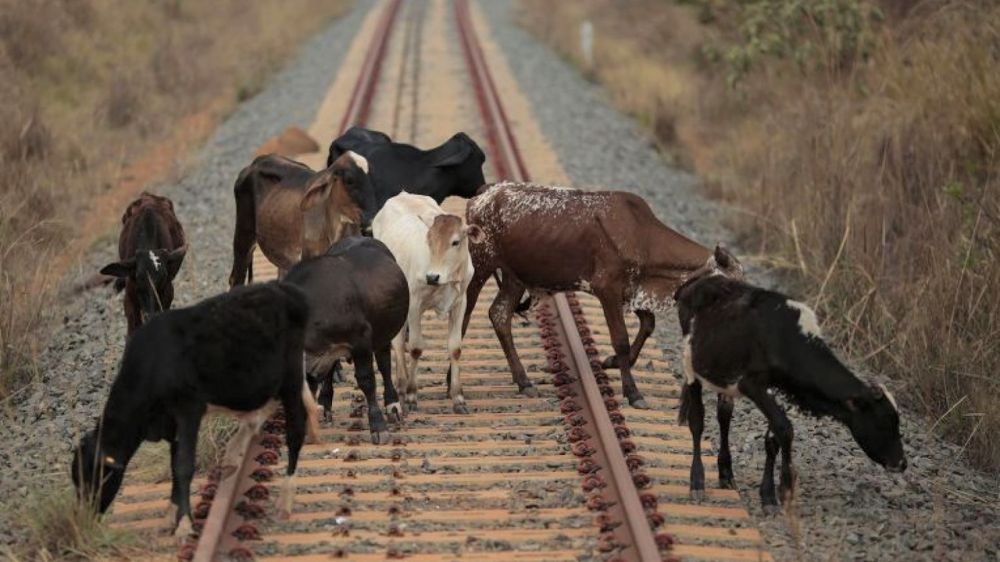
(606, 243)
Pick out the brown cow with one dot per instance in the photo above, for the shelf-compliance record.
(607, 243)
(151, 248)
(292, 212)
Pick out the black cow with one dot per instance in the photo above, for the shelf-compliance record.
(358, 298)
(240, 352)
(151, 248)
(454, 168)
(740, 340)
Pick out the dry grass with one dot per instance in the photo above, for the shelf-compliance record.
(152, 461)
(61, 528)
(870, 180)
(89, 86)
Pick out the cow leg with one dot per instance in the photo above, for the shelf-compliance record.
(298, 371)
(337, 373)
(296, 414)
(393, 409)
(454, 355)
(132, 316)
(364, 372)
(182, 467)
(724, 412)
(175, 488)
(399, 361)
(780, 430)
(611, 303)
(768, 499)
(647, 322)
(696, 422)
(415, 341)
(479, 278)
(501, 313)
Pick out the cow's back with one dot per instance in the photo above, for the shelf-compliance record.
(400, 226)
(356, 283)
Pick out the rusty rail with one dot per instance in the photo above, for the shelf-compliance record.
(611, 474)
(222, 520)
(624, 518)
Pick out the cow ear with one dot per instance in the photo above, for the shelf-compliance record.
(174, 259)
(427, 218)
(315, 194)
(475, 233)
(120, 268)
(722, 258)
(454, 152)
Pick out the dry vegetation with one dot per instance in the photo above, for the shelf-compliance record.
(88, 88)
(859, 141)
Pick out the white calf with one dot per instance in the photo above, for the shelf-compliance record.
(432, 249)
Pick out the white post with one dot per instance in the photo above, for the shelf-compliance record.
(587, 43)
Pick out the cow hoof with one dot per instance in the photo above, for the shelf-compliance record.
(395, 412)
(771, 510)
(640, 404)
(327, 415)
(697, 496)
(530, 391)
(727, 483)
(184, 529)
(381, 437)
(610, 363)
(460, 408)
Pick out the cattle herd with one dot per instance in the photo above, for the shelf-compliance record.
(365, 246)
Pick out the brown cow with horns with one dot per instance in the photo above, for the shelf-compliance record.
(607, 243)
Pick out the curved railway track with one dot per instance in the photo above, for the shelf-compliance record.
(566, 475)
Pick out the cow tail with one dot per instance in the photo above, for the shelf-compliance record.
(245, 233)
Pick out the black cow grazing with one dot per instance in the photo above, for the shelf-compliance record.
(241, 352)
(151, 249)
(740, 340)
(358, 298)
(454, 168)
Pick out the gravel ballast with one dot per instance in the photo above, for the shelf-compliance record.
(81, 358)
(848, 508)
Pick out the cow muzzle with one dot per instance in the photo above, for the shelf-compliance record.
(433, 279)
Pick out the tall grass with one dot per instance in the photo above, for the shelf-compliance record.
(61, 528)
(861, 149)
(88, 87)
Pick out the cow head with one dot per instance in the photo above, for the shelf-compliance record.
(464, 160)
(97, 474)
(874, 423)
(343, 196)
(151, 273)
(448, 240)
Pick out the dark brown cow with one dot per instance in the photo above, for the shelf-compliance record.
(292, 212)
(607, 243)
(151, 248)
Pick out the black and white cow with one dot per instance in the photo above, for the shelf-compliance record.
(454, 168)
(740, 340)
(239, 353)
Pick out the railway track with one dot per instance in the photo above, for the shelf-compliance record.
(570, 474)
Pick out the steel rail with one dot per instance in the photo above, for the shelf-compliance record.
(625, 517)
(635, 534)
(217, 530)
